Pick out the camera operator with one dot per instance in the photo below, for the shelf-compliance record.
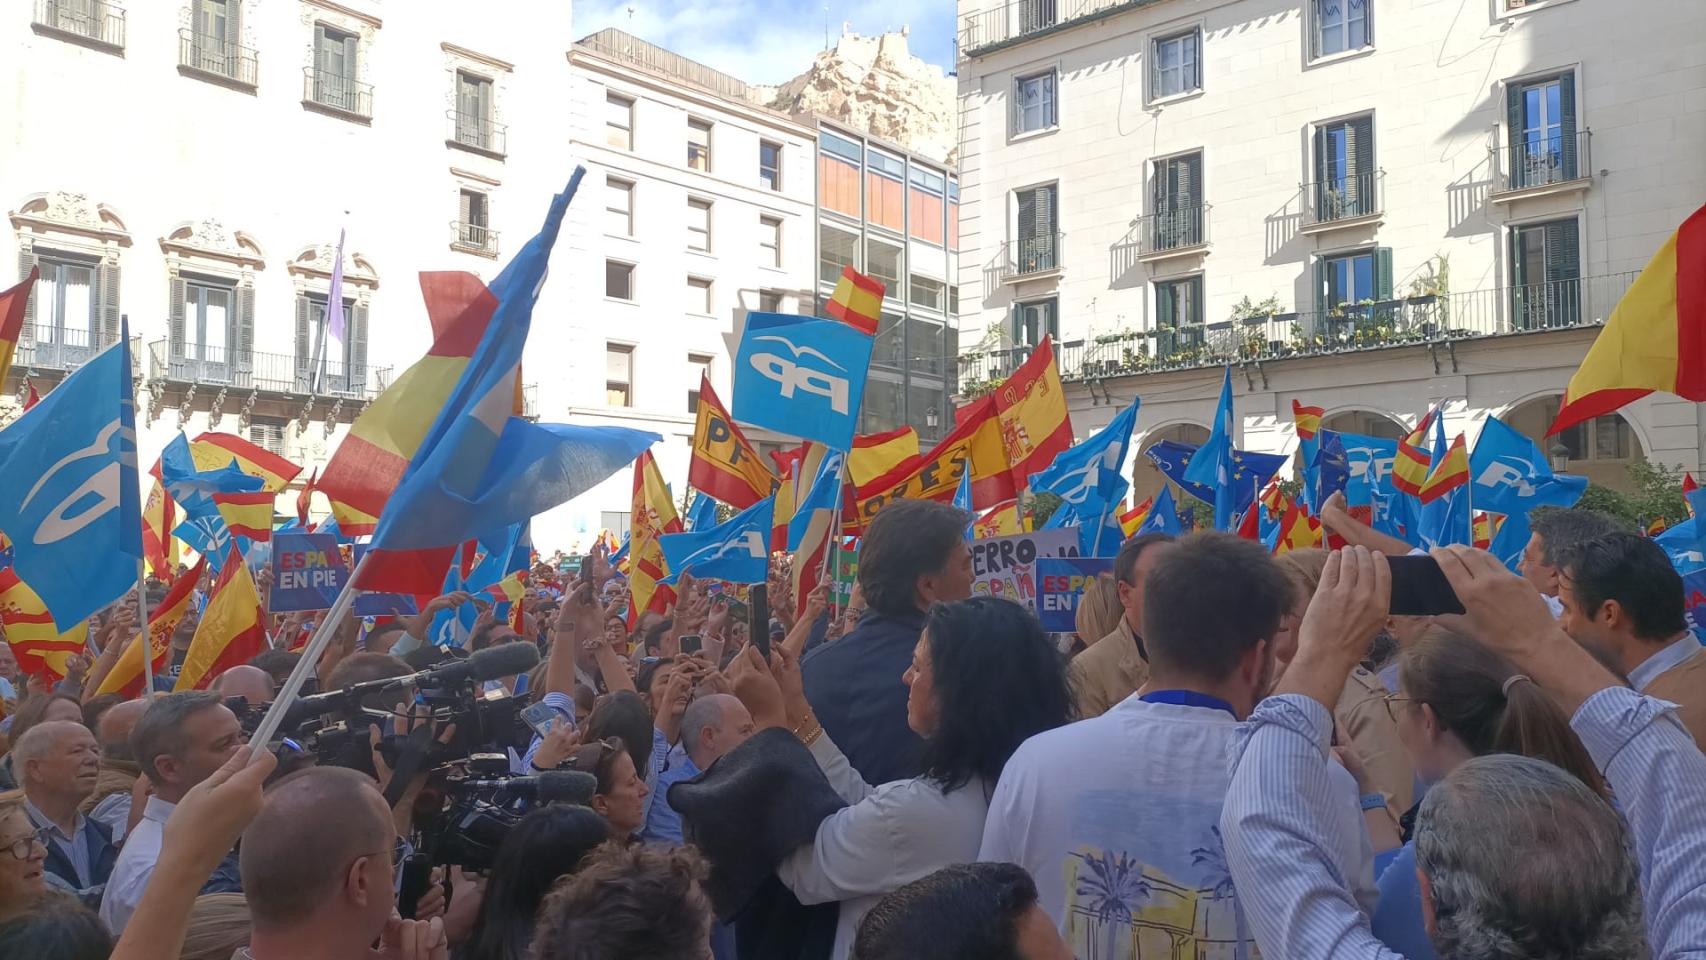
(548, 844)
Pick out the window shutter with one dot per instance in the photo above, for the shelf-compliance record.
(1164, 318)
(1323, 296)
(1315, 29)
(244, 338)
(357, 372)
(1567, 122)
(1383, 273)
(106, 278)
(1051, 86)
(1320, 161)
(1045, 211)
(304, 347)
(465, 211)
(1361, 160)
(1190, 188)
(1155, 88)
(1028, 214)
(233, 25)
(322, 62)
(1563, 261)
(1513, 130)
(1194, 308)
(27, 261)
(350, 71)
(179, 291)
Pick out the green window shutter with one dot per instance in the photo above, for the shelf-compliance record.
(178, 293)
(1563, 250)
(245, 333)
(304, 347)
(106, 279)
(357, 372)
(350, 71)
(1164, 318)
(26, 262)
(1518, 277)
(1196, 304)
(321, 59)
(1513, 131)
(1321, 167)
(1323, 297)
(1361, 137)
(1028, 214)
(1567, 123)
(1383, 273)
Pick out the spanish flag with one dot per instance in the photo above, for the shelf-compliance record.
(857, 301)
(40, 647)
(799, 467)
(1001, 520)
(1485, 526)
(1298, 530)
(370, 461)
(14, 302)
(1655, 339)
(1031, 407)
(1451, 473)
(724, 464)
(875, 454)
(231, 629)
(653, 515)
(159, 518)
(305, 497)
(1410, 467)
(210, 451)
(976, 442)
(247, 514)
(126, 675)
(1308, 419)
(1132, 519)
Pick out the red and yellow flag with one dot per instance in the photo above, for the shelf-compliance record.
(1132, 519)
(1031, 407)
(159, 518)
(126, 675)
(857, 301)
(371, 460)
(1001, 520)
(653, 515)
(1308, 419)
(1655, 339)
(1482, 528)
(1298, 530)
(14, 303)
(1688, 487)
(31, 396)
(936, 475)
(1410, 467)
(247, 514)
(799, 468)
(231, 630)
(305, 497)
(211, 451)
(875, 454)
(724, 463)
(1451, 473)
(39, 645)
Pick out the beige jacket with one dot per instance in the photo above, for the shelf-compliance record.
(1685, 686)
(1362, 714)
(1108, 672)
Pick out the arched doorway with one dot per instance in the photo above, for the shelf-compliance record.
(1600, 449)
(1147, 479)
(1365, 422)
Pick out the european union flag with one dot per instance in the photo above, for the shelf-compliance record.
(203, 527)
(1212, 465)
(70, 503)
(801, 376)
(1250, 471)
(1332, 469)
(1509, 474)
(737, 551)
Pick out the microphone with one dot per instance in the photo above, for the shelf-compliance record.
(552, 786)
(489, 664)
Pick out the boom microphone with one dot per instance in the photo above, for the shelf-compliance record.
(552, 786)
(489, 664)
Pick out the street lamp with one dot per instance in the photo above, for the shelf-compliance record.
(930, 418)
(1560, 457)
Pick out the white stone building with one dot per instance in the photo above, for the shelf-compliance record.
(189, 164)
(1441, 201)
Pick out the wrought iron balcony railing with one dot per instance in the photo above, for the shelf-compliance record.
(1344, 198)
(337, 93)
(219, 58)
(95, 22)
(257, 370)
(1180, 228)
(1010, 22)
(1543, 159)
(43, 346)
(1033, 255)
(478, 133)
(474, 238)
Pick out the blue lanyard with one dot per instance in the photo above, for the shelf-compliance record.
(1188, 698)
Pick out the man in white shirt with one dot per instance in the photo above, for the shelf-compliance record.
(181, 740)
(1117, 817)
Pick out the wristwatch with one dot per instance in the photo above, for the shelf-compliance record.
(1373, 801)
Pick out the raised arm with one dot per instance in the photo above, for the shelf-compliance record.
(1337, 518)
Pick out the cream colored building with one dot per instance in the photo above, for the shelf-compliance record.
(190, 164)
(1366, 205)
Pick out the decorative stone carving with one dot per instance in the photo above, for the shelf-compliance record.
(246, 416)
(216, 412)
(186, 407)
(317, 261)
(61, 211)
(306, 415)
(332, 417)
(156, 399)
(211, 240)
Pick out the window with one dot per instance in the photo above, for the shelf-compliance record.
(699, 225)
(699, 367)
(1037, 247)
(699, 145)
(769, 301)
(770, 241)
(838, 165)
(327, 365)
(473, 226)
(618, 280)
(885, 262)
(1034, 321)
(1034, 103)
(1543, 137)
(1178, 202)
(268, 433)
(924, 217)
(927, 293)
(1178, 317)
(1546, 275)
(618, 121)
(335, 69)
(207, 326)
(473, 110)
(885, 190)
(618, 207)
(1340, 26)
(65, 305)
(699, 295)
(215, 35)
(1344, 170)
(1176, 65)
(1349, 279)
(836, 249)
(619, 374)
(770, 164)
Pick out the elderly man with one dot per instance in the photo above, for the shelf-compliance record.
(711, 726)
(57, 763)
(8, 670)
(1116, 666)
(181, 740)
(249, 682)
(1517, 859)
(110, 802)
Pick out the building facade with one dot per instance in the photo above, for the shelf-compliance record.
(190, 166)
(1373, 206)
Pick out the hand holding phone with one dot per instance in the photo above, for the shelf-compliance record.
(1420, 589)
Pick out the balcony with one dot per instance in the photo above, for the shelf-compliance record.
(221, 61)
(273, 373)
(44, 348)
(530, 401)
(989, 30)
(1178, 232)
(473, 238)
(99, 24)
(1031, 258)
(336, 94)
(1355, 200)
(1559, 162)
(477, 134)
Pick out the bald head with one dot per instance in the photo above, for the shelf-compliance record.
(712, 726)
(115, 727)
(251, 683)
(338, 815)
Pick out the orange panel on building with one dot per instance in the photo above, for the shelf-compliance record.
(838, 185)
(926, 221)
(888, 202)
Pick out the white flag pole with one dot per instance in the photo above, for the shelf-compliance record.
(142, 618)
(310, 657)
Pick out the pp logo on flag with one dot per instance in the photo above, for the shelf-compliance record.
(801, 376)
(795, 376)
(1508, 472)
(75, 510)
(750, 544)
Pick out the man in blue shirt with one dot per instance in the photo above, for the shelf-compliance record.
(712, 726)
(58, 763)
(913, 554)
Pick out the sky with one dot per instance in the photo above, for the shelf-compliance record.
(769, 41)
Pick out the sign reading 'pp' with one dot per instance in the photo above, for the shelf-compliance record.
(801, 376)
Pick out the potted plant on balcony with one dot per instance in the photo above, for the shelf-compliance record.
(1431, 289)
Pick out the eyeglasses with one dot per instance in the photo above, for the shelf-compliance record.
(1392, 698)
(21, 848)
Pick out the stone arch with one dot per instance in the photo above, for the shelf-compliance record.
(1366, 420)
(1600, 449)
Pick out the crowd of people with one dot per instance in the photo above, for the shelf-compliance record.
(1236, 755)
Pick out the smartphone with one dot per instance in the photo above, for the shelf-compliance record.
(692, 643)
(1420, 589)
(540, 717)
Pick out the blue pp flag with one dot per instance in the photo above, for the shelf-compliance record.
(1097, 520)
(1682, 544)
(69, 502)
(1250, 471)
(801, 376)
(506, 551)
(1163, 516)
(479, 468)
(1211, 465)
(825, 494)
(703, 514)
(1090, 471)
(1509, 474)
(1509, 542)
(737, 551)
(1368, 462)
(203, 527)
(963, 500)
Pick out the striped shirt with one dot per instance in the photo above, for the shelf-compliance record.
(1297, 901)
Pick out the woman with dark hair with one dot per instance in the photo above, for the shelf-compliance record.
(548, 844)
(984, 678)
(1457, 700)
(620, 797)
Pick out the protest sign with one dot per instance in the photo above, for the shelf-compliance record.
(307, 572)
(1006, 566)
(845, 576)
(1060, 584)
(380, 604)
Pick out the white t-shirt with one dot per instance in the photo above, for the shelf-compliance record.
(1117, 819)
